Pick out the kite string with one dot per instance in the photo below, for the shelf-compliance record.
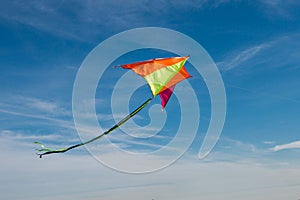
(62, 150)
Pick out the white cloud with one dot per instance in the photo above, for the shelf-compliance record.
(125, 139)
(58, 122)
(270, 54)
(80, 20)
(13, 135)
(73, 176)
(78, 177)
(41, 105)
(33, 106)
(23, 137)
(279, 8)
(268, 142)
(236, 151)
(291, 145)
(86, 20)
(239, 58)
(45, 106)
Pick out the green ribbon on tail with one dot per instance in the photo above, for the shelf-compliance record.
(44, 151)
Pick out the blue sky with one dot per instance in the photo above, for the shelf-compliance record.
(255, 45)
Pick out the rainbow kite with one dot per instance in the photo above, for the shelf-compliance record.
(161, 75)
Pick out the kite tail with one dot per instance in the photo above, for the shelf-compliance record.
(44, 151)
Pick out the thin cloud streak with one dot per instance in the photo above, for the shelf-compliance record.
(240, 58)
(22, 104)
(291, 145)
(265, 56)
(88, 22)
(67, 124)
(55, 122)
(278, 8)
(24, 137)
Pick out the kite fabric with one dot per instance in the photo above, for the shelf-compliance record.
(165, 96)
(161, 74)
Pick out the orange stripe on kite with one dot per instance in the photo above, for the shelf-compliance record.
(147, 67)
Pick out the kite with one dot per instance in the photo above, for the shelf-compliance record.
(161, 74)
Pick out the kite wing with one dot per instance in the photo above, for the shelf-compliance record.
(161, 75)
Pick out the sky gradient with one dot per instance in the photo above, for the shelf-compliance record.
(256, 46)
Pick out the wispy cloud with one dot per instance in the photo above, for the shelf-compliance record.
(72, 177)
(65, 19)
(33, 105)
(46, 106)
(291, 145)
(268, 142)
(86, 20)
(41, 105)
(264, 56)
(18, 135)
(129, 141)
(233, 150)
(236, 59)
(24, 139)
(279, 8)
(63, 123)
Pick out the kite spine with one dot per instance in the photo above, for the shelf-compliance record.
(49, 151)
